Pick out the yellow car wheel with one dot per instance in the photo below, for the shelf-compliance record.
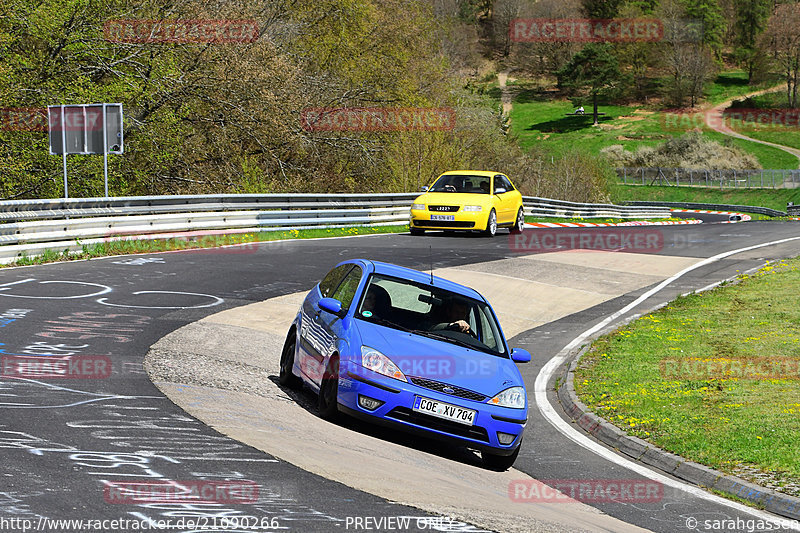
(491, 225)
(519, 225)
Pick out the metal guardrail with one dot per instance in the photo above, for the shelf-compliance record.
(718, 178)
(19, 210)
(715, 207)
(547, 207)
(33, 226)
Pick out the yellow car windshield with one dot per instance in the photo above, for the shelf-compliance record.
(460, 183)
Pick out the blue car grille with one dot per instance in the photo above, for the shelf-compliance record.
(446, 388)
(407, 415)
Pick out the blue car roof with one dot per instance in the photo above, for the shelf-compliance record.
(397, 271)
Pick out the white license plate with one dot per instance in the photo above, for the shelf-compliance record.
(443, 217)
(444, 410)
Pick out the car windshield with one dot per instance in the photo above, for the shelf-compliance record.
(462, 183)
(431, 312)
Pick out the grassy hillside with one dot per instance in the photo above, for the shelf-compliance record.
(774, 199)
(538, 120)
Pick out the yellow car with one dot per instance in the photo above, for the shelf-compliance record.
(468, 200)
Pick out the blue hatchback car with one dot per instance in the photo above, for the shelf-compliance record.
(399, 347)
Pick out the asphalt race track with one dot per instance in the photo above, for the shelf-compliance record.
(66, 441)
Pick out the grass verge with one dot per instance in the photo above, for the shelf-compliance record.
(772, 198)
(712, 377)
(201, 242)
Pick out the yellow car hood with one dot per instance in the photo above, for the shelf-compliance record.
(453, 198)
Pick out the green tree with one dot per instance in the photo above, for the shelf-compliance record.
(594, 69)
(782, 39)
(469, 10)
(635, 57)
(646, 6)
(710, 14)
(601, 9)
(751, 20)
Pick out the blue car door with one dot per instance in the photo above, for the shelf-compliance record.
(334, 326)
(313, 344)
(320, 330)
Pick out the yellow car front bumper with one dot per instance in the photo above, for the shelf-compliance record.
(460, 220)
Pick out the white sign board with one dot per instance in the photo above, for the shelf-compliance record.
(85, 129)
(80, 129)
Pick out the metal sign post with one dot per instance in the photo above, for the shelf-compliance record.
(86, 129)
(105, 153)
(64, 151)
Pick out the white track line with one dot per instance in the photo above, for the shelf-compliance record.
(550, 414)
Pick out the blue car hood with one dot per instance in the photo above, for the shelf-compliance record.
(441, 361)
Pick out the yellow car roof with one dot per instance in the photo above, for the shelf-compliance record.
(487, 173)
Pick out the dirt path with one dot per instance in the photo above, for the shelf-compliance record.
(715, 121)
(505, 94)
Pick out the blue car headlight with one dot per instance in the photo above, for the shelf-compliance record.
(513, 397)
(377, 362)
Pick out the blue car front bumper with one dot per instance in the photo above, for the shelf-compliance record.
(397, 411)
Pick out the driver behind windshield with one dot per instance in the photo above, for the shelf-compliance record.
(455, 314)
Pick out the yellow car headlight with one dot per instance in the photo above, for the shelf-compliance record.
(418, 207)
(473, 208)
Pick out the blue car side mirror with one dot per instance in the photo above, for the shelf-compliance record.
(331, 305)
(518, 355)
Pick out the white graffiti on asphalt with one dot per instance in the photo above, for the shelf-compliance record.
(215, 301)
(15, 391)
(100, 289)
(6, 286)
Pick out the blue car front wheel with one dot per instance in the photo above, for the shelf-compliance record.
(500, 463)
(329, 392)
(286, 378)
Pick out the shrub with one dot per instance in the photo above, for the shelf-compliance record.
(690, 150)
